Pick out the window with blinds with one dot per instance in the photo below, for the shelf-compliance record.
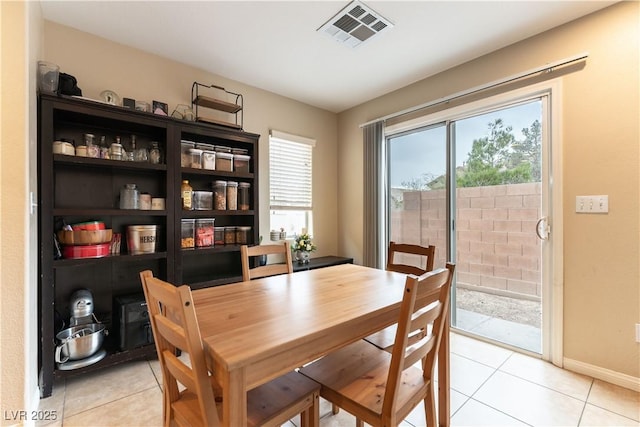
(290, 182)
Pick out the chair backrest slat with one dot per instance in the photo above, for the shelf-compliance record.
(407, 252)
(425, 301)
(249, 273)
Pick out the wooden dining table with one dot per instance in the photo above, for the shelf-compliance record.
(258, 330)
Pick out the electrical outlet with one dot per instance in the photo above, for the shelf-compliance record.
(637, 332)
(592, 204)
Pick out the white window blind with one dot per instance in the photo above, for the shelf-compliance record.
(290, 171)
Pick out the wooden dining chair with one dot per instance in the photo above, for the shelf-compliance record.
(249, 273)
(424, 259)
(175, 326)
(382, 388)
(424, 255)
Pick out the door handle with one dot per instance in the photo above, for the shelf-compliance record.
(543, 229)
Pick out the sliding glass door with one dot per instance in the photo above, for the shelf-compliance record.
(473, 185)
(417, 207)
(498, 200)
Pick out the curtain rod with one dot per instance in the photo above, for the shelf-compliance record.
(495, 83)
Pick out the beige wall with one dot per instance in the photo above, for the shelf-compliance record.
(600, 137)
(99, 64)
(20, 40)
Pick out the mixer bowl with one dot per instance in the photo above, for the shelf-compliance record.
(79, 342)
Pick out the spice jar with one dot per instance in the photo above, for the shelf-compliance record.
(129, 197)
(243, 196)
(220, 195)
(232, 195)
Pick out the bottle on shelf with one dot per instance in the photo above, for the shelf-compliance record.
(116, 151)
(154, 153)
(186, 194)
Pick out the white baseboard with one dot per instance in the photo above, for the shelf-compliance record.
(613, 377)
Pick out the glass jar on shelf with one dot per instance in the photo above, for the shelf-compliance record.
(154, 153)
(129, 197)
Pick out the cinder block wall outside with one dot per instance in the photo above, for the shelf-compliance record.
(497, 247)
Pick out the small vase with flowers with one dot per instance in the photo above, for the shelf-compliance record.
(302, 247)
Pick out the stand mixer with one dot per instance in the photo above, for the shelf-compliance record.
(80, 343)
(81, 305)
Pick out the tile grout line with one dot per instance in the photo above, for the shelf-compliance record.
(479, 387)
(585, 403)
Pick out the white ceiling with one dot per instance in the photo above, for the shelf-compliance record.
(273, 45)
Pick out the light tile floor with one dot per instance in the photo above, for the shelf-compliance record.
(490, 386)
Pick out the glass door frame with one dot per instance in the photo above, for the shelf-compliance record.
(552, 281)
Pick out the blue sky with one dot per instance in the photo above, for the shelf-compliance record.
(425, 152)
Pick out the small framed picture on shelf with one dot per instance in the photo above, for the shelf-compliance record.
(160, 108)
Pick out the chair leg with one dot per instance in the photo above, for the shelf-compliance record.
(430, 406)
(311, 416)
(359, 423)
(334, 409)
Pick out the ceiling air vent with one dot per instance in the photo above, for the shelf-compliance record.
(355, 24)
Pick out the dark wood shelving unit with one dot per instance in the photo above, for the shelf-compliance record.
(77, 189)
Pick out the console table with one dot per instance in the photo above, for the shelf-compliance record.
(323, 261)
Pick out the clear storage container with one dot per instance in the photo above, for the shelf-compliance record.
(243, 235)
(208, 156)
(203, 200)
(224, 161)
(232, 195)
(241, 163)
(185, 156)
(229, 235)
(220, 195)
(187, 240)
(204, 232)
(243, 196)
(195, 158)
(208, 160)
(218, 235)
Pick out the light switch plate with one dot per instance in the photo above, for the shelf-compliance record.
(592, 204)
